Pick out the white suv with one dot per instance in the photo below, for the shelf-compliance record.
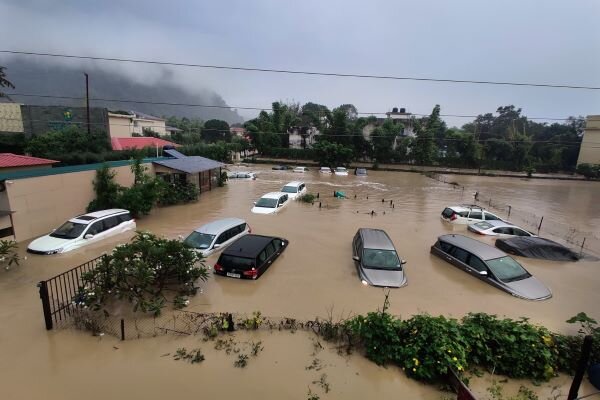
(467, 214)
(217, 235)
(270, 203)
(83, 230)
(294, 189)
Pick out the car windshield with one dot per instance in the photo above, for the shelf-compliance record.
(507, 269)
(340, 169)
(234, 262)
(381, 259)
(483, 225)
(289, 189)
(266, 202)
(69, 230)
(199, 240)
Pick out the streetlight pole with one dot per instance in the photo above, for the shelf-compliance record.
(87, 102)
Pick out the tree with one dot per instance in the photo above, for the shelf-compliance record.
(350, 110)
(332, 154)
(69, 140)
(383, 140)
(215, 130)
(424, 146)
(4, 82)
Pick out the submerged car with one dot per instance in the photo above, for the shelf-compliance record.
(467, 214)
(250, 256)
(281, 167)
(301, 169)
(341, 171)
(270, 203)
(537, 247)
(360, 172)
(491, 265)
(217, 235)
(376, 259)
(325, 170)
(294, 189)
(83, 230)
(498, 228)
(242, 175)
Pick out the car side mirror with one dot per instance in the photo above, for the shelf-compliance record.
(356, 258)
(483, 273)
(88, 236)
(254, 202)
(403, 262)
(216, 246)
(280, 205)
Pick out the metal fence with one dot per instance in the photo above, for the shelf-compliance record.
(58, 294)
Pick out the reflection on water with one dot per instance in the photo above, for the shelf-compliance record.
(314, 274)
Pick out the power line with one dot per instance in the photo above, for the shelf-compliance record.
(299, 72)
(243, 107)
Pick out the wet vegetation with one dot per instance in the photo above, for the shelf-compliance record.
(307, 198)
(8, 253)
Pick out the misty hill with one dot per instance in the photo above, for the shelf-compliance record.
(33, 77)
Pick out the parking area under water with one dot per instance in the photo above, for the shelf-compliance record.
(314, 276)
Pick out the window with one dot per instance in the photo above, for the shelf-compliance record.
(278, 244)
(266, 202)
(241, 263)
(289, 189)
(460, 254)
(111, 222)
(446, 247)
(69, 230)
(199, 240)
(262, 257)
(507, 269)
(520, 232)
(270, 249)
(490, 217)
(95, 228)
(504, 230)
(476, 215)
(477, 264)
(124, 218)
(381, 259)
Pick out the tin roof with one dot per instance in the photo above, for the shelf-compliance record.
(10, 160)
(190, 165)
(122, 143)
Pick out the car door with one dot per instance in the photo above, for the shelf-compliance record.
(96, 229)
(503, 231)
(476, 266)
(475, 216)
(110, 226)
(520, 232)
(460, 258)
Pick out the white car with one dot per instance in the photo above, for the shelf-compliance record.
(217, 235)
(325, 170)
(301, 169)
(294, 189)
(83, 230)
(270, 203)
(341, 171)
(467, 214)
(242, 175)
(498, 228)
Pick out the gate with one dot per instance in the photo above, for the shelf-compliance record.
(57, 293)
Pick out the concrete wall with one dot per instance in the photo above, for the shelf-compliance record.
(39, 120)
(157, 126)
(590, 145)
(120, 126)
(43, 203)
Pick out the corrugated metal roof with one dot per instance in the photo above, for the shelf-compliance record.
(31, 173)
(122, 143)
(9, 160)
(190, 165)
(175, 153)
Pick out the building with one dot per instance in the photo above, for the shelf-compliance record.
(398, 116)
(34, 201)
(10, 162)
(130, 123)
(39, 120)
(589, 152)
(138, 143)
(11, 120)
(302, 137)
(237, 131)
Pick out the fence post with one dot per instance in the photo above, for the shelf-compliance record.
(540, 225)
(509, 208)
(122, 329)
(582, 244)
(43, 285)
(586, 349)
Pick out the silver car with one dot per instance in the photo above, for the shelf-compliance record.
(498, 228)
(217, 235)
(490, 265)
(376, 259)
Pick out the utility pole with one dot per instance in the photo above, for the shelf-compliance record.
(87, 103)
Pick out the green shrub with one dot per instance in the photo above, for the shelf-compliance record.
(378, 333)
(307, 198)
(9, 253)
(590, 171)
(176, 193)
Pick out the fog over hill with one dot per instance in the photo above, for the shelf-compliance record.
(32, 77)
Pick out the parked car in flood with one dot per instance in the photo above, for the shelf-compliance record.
(83, 230)
(498, 228)
(325, 170)
(376, 259)
(242, 175)
(217, 235)
(360, 171)
(491, 265)
(294, 189)
(270, 203)
(467, 214)
(340, 171)
(301, 169)
(281, 167)
(250, 256)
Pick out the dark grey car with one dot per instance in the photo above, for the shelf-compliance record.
(376, 259)
(490, 265)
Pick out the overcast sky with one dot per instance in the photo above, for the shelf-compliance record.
(548, 41)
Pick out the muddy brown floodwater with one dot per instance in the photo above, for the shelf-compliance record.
(313, 277)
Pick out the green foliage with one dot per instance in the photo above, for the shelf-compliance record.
(219, 151)
(176, 193)
(12, 142)
(222, 179)
(242, 361)
(590, 171)
(307, 198)
(70, 140)
(215, 130)
(332, 154)
(292, 154)
(140, 272)
(193, 356)
(9, 253)
(106, 189)
(4, 82)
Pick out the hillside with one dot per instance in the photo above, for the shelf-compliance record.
(55, 79)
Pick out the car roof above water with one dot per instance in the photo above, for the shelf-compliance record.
(220, 225)
(272, 195)
(294, 183)
(376, 239)
(248, 246)
(89, 217)
(481, 250)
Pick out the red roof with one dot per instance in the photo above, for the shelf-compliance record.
(139, 143)
(9, 160)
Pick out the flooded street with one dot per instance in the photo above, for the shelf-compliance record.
(314, 276)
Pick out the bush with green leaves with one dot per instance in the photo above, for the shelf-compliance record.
(590, 171)
(141, 272)
(307, 198)
(176, 193)
(8, 253)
